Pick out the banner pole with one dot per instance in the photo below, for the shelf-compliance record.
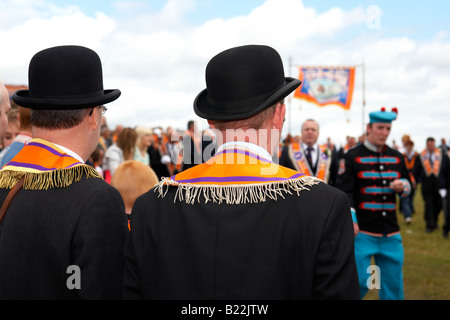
(363, 97)
(289, 99)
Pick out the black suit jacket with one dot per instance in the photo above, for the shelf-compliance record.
(431, 184)
(300, 247)
(46, 231)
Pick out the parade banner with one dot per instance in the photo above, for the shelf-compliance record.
(327, 85)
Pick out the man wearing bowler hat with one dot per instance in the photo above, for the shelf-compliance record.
(239, 226)
(62, 228)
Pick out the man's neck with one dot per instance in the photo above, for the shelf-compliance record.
(248, 146)
(70, 152)
(260, 138)
(66, 138)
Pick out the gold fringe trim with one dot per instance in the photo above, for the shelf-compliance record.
(59, 178)
(235, 194)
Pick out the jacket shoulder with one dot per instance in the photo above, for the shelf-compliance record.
(356, 150)
(394, 152)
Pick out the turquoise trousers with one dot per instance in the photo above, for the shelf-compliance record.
(387, 274)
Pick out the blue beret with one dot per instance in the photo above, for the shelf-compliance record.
(383, 116)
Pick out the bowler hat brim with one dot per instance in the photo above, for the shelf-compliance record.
(250, 107)
(23, 99)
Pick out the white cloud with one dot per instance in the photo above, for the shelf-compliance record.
(16, 11)
(28, 36)
(158, 60)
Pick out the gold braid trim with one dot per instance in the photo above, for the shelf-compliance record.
(235, 194)
(59, 178)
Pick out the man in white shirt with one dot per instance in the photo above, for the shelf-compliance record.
(309, 157)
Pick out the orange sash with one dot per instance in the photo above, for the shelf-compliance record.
(410, 166)
(44, 166)
(298, 158)
(234, 176)
(427, 165)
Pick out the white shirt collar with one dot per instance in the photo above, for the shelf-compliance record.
(370, 146)
(315, 146)
(253, 148)
(409, 154)
(70, 152)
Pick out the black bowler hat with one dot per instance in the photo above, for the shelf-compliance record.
(65, 78)
(241, 82)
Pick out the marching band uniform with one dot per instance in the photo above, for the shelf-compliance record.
(365, 175)
(240, 226)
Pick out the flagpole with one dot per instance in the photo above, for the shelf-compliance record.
(289, 99)
(363, 97)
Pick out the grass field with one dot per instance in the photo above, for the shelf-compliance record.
(426, 271)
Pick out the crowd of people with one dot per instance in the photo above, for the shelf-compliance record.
(194, 236)
(303, 153)
(162, 150)
(433, 176)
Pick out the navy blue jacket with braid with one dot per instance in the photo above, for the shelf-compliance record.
(365, 175)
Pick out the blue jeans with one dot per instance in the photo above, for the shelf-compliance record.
(406, 204)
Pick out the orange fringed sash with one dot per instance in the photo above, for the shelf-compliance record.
(44, 166)
(298, 158)
(236, 176)
(431, 170)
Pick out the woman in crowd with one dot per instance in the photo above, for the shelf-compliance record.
(143, 141)
(120, 151)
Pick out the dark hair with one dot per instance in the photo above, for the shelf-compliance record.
(430, 139)
(57, 119)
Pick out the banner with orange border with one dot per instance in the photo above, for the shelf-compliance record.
(325, 86)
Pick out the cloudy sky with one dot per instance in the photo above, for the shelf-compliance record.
(156, 51)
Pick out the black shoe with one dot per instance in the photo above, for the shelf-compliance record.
(445, 233)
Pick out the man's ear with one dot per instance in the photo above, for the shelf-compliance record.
(278, 116)
(93, 119)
